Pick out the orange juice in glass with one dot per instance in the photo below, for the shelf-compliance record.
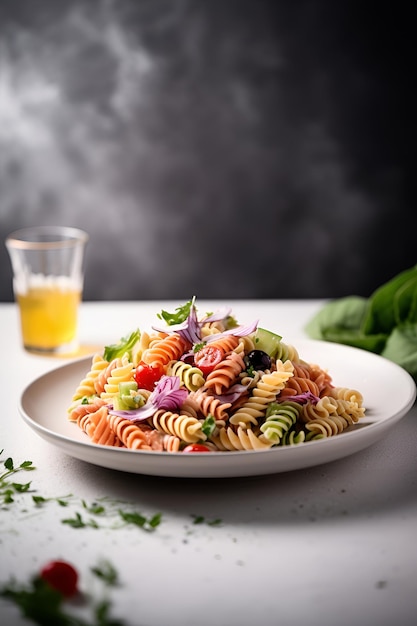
(48, 274)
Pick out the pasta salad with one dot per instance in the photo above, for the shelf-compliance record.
(208, 384)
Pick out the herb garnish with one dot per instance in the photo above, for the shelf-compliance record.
(147, 523)
(9, 489)
(44, 605)
(107, 573)
(200, 519)
(182, 312)
(208, 426)
(78, 522)
(125, 345)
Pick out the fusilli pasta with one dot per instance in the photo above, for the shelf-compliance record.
(205, 383)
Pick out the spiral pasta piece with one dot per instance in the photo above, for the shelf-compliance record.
(225, 373)
(251, 380)
(83, 409)
(301, 370)
(242, 439)
(190, 376)
(292, 437)
(328, 426)
(210, 405)
(298, 385)
(170, 348)
(146, 341)
(86, 386)
(322, 379)
(171, 443)
(190, 407)
(265, 392)
(122, 372)
(212, 328)
(183, 426)
(99, 430)
(286, 352)
(325, 407)
(282, 418)
(226, 343)
(104, 374)
(132, 435)
(350, 411)
(345, 393)
(246, 344)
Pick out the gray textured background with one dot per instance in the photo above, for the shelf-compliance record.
(219, 148)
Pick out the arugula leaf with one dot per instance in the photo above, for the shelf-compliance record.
(182, 312)
(126, 344)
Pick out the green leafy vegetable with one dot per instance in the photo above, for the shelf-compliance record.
(208, 426)
(10, 488)
(126, 344)
(182, 312)
(38, 602)
(42, 604)
(78, 522)
(107, 573)
(385, 323)
(200, 519)
(137, 519)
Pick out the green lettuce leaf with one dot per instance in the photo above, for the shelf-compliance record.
(384, 323)
(338, 316)
(401, 348)
(390, 304)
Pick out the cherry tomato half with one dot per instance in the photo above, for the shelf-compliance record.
(146, 375)
(196, 447)
(61, 576)
(207, 358)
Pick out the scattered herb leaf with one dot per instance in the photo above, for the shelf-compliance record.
(147, 523)
(126, 344)
(107, 573)
(182, 312)
(78, 522)
(200, 519)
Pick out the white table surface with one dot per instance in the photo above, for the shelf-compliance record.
(333, 545)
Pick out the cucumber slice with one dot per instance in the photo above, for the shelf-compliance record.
(267, 341)
(127, 386)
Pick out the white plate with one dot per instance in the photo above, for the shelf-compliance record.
(388, 390)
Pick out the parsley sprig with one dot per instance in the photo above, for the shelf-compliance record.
(8, 488)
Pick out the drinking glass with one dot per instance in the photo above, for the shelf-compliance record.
(48, 276)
